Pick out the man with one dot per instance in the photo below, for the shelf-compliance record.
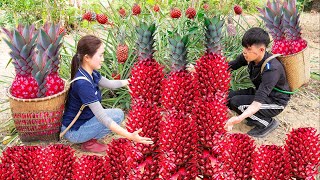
(271, 93)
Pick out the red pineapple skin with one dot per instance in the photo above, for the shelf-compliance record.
(178, 147)
(145, 169)
(282, 46)
(175, 13)
(297, 45)
(303, 147)
(146, 81)
(191, 12)
(179, 92)
(54, 84)
(212, 74)
(210, 117)
(90, 167)
(24, 87)
(237, 150)
(145, 117)
(270, 162)
(118, 152)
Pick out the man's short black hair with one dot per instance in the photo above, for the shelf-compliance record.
(256, 36)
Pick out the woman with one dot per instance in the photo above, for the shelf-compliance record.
(94, 122)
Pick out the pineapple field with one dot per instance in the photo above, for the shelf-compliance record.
(175, 55)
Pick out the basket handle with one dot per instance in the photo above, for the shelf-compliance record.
(267, 60)
(73, 121)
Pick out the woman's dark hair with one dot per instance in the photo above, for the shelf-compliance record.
(256, 36)
(89, 45)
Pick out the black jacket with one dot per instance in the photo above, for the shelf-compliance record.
(273, 76)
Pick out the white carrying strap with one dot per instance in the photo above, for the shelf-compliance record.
(79, 112)
(267, 60)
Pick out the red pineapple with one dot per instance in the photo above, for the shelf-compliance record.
(273, 17)
(146, 169)
(102, 18)
(89, 16)
(147, 74)
(205, 6)
(212, 69)
(122, 12)
(90, 167)
(21, 41)
(191, 12)
(303, 147)
(145, 117)
(49, 42)
(270, 162)
(211, 117)
(291, 23)
(117, 154)
(56, 162)
(156, 8)
(237, 150)
(237, 9)
(175, 13)
(136, 10)
(178, 147)
(20, 162)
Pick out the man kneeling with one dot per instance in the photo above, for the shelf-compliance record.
(261, 104)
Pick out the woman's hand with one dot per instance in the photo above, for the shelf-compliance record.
(137, 138)
(232, 121)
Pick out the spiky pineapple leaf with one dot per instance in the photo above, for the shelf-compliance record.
(25, 51)
(26, 34)
(44, 40)
(18, 40)
(11, 46)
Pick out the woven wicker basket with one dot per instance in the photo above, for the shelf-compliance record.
(297, 67)
(39, 118)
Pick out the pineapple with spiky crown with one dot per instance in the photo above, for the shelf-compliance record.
(291, 21)
(21, 41)
(179, 88)
(49, 43)
(273, 17)
(147, 74)
(178, 131)
(122, 48)
(212, 69)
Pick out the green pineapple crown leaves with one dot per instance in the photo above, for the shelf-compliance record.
(291, 19)
(121, 35)
(179, 52)
(145, 42)
(40, 70)
(213, 34)
(272, 14)
(49, 41)
(21, 41)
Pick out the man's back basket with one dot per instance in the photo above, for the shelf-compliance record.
(297, 67)
(39, 118)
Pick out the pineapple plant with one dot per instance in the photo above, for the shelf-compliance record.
(270, 162)
(273, 17)
(147, 74)
(291, 20)
(49, 43)
(122, 48)
(212, 69)
(21, 41)
(303, 148)
(175, 13)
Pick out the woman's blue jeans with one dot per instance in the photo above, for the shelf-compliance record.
(93, 128)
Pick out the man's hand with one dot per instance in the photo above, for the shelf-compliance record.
(232, 121)
(190, 68)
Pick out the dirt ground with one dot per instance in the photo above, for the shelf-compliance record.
(303, 109)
